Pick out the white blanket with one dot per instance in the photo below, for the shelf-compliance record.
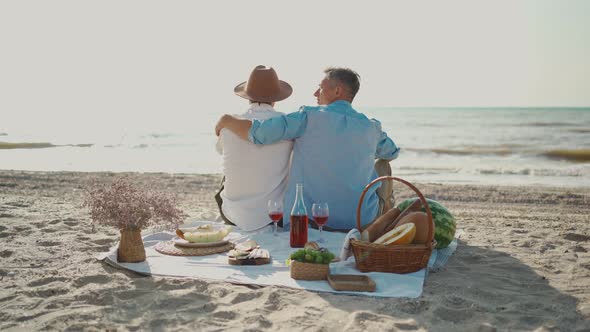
(215, 267)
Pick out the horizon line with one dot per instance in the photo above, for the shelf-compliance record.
(484, 107)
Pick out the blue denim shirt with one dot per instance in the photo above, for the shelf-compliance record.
(333, 156)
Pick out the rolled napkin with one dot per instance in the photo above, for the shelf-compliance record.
(345, 252)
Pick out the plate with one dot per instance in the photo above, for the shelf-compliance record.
(184, 243)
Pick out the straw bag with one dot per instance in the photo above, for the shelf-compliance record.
(408, 258)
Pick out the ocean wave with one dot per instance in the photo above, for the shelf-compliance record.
(525, 171)
(37, 145)
(434, 169)
(579, 155)
(572, 171)
(568, 172)
(158, 135)
(499, 150)
(573, 155)
(547, 124)
(580, 130)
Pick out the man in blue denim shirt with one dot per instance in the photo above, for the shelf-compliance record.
(334, 150)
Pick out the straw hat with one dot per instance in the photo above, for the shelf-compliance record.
(264, 86)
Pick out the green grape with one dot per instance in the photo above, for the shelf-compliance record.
(327, 257)
(299, 255)
(309, 258)
(319, 260)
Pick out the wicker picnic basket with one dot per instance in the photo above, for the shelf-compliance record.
(408, 258)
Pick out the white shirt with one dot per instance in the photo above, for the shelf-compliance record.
(253, 173)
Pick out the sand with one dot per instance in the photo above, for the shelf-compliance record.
(523, 263)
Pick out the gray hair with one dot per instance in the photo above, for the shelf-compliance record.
(347, 77)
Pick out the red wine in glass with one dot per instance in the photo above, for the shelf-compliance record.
(275, 213)
(320, 213)
(275, 217)
(321, 221)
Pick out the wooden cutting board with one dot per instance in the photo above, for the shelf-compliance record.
(260, 257)
(248, 261)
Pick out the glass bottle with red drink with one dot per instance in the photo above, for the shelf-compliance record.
(299, 220)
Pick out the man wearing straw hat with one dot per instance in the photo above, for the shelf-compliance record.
(334, 152)
(254, 174)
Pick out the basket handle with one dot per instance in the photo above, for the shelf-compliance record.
(420, 196)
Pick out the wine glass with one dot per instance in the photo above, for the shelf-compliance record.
(320, 213)
(275, 212)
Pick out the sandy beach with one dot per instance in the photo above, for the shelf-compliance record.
(523, 263)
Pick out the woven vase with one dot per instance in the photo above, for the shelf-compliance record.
(131, 248)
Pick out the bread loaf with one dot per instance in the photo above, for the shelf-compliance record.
(420, 219)
(377, 228)
(414, 207)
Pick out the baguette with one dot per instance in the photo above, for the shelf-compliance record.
(377, 228)
(414, 207)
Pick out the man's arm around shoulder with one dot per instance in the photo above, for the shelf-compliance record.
(240, 127)
(284, 127)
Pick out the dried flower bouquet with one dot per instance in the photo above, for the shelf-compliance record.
(130, 209)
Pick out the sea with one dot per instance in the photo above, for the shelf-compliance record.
(466, 145)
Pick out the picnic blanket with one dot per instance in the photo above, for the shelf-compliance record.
(216, 267)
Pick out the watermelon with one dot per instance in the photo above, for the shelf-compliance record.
(444, 222)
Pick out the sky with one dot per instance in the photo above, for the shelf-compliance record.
(85, 64)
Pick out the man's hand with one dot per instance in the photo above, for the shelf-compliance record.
(238, 126)
(222, 123)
